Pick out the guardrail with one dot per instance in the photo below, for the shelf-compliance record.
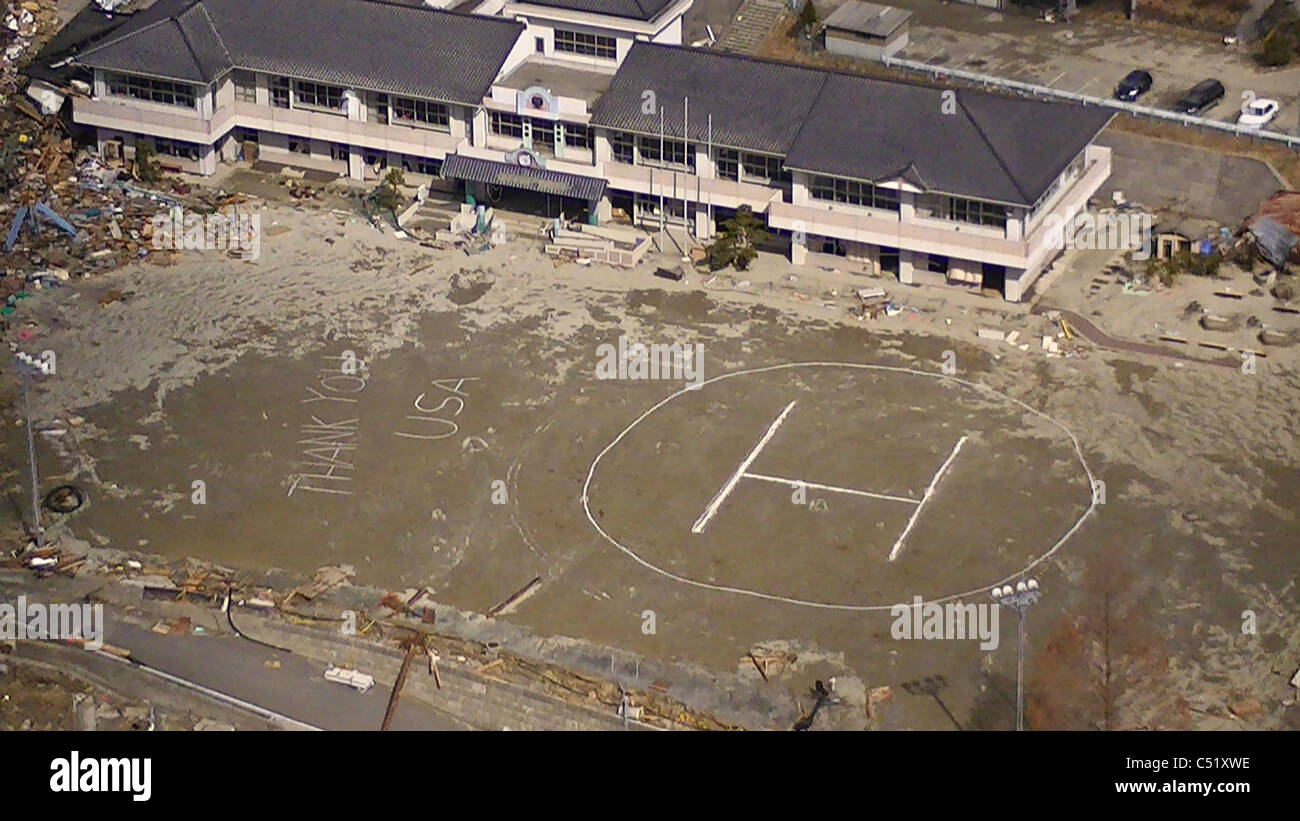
(941, 72)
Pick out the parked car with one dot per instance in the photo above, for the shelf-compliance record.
(1257, 113)
(1200, 97)
(1134, 85)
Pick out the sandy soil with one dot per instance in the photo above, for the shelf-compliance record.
(230, 374)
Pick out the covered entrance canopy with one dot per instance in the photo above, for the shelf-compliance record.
(524, 177)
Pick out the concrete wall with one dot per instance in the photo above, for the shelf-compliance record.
(850, 44)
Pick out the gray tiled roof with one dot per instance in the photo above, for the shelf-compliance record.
(755, 104)
(628, 9)
(997, 148)
(409, 50)
(460, 167)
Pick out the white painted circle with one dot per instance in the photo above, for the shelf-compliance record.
(1074, 528)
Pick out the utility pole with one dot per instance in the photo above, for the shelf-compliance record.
(663, 214)
(686, 157)
(709, 227)
(1024, 594)
(30, 368)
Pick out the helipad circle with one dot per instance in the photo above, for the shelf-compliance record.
(825, 605)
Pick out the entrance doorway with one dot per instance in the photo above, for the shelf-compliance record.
(993, 277)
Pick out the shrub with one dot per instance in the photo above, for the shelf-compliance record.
(1277, 48)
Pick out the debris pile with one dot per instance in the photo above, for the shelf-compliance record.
(23, 23)
(610, 244)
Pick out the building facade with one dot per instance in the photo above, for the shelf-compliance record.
(592, 105)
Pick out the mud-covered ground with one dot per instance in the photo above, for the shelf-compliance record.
(433, 419)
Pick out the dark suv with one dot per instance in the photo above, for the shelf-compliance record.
(1134, 85)
(1200, 97)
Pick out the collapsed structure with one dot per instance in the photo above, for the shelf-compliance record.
(593, 108)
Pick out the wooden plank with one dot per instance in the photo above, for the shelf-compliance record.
(516, 596)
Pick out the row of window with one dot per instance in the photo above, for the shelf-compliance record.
(317, 95)
(757, 167)
(423, 112)
(588, 45)
(645, 150)
(960, 209)
(1075, 169)
(649, 150)
(405, 110)
(504, 124)
(151, 90)
(853, 192)
(176, 148)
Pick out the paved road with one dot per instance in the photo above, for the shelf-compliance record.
(1102, 340)
(238, 668)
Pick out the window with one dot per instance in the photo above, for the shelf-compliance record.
(976, 212)
(376, 161)
(154, 91)
(540, 44)
(507, 125)
(280, 92)
(759, 166)
(674, 153)
(420, 165)
(175, 148)
(317, 95)
(1076, 167)
(853, 192)
(408, 110)
(592, 45)
(937, 264)
(380, 109)
(299, 147)
(577, 136)
(621, 144)
(245, 87)
(339, 151)
(544, 136)
(728, 164)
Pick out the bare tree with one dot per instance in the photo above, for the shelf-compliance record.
(1104, 666)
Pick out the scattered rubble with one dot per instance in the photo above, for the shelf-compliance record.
(610, 244)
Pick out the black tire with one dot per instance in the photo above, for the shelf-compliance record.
(64, 499)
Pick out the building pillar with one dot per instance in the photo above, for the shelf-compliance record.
(207, 160)
(479, 129)
(799, 248)
(356, 163)
(906, 273)
(1012, 288)
(703, 226)
(602, 210)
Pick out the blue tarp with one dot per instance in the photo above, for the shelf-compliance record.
(12, 236)
(45, 213)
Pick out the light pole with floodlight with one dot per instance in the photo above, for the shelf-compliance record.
(1020, 597)
(31, 368)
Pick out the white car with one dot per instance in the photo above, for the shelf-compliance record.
(1257, 113)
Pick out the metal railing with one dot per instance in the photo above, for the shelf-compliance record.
(1032, 89)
